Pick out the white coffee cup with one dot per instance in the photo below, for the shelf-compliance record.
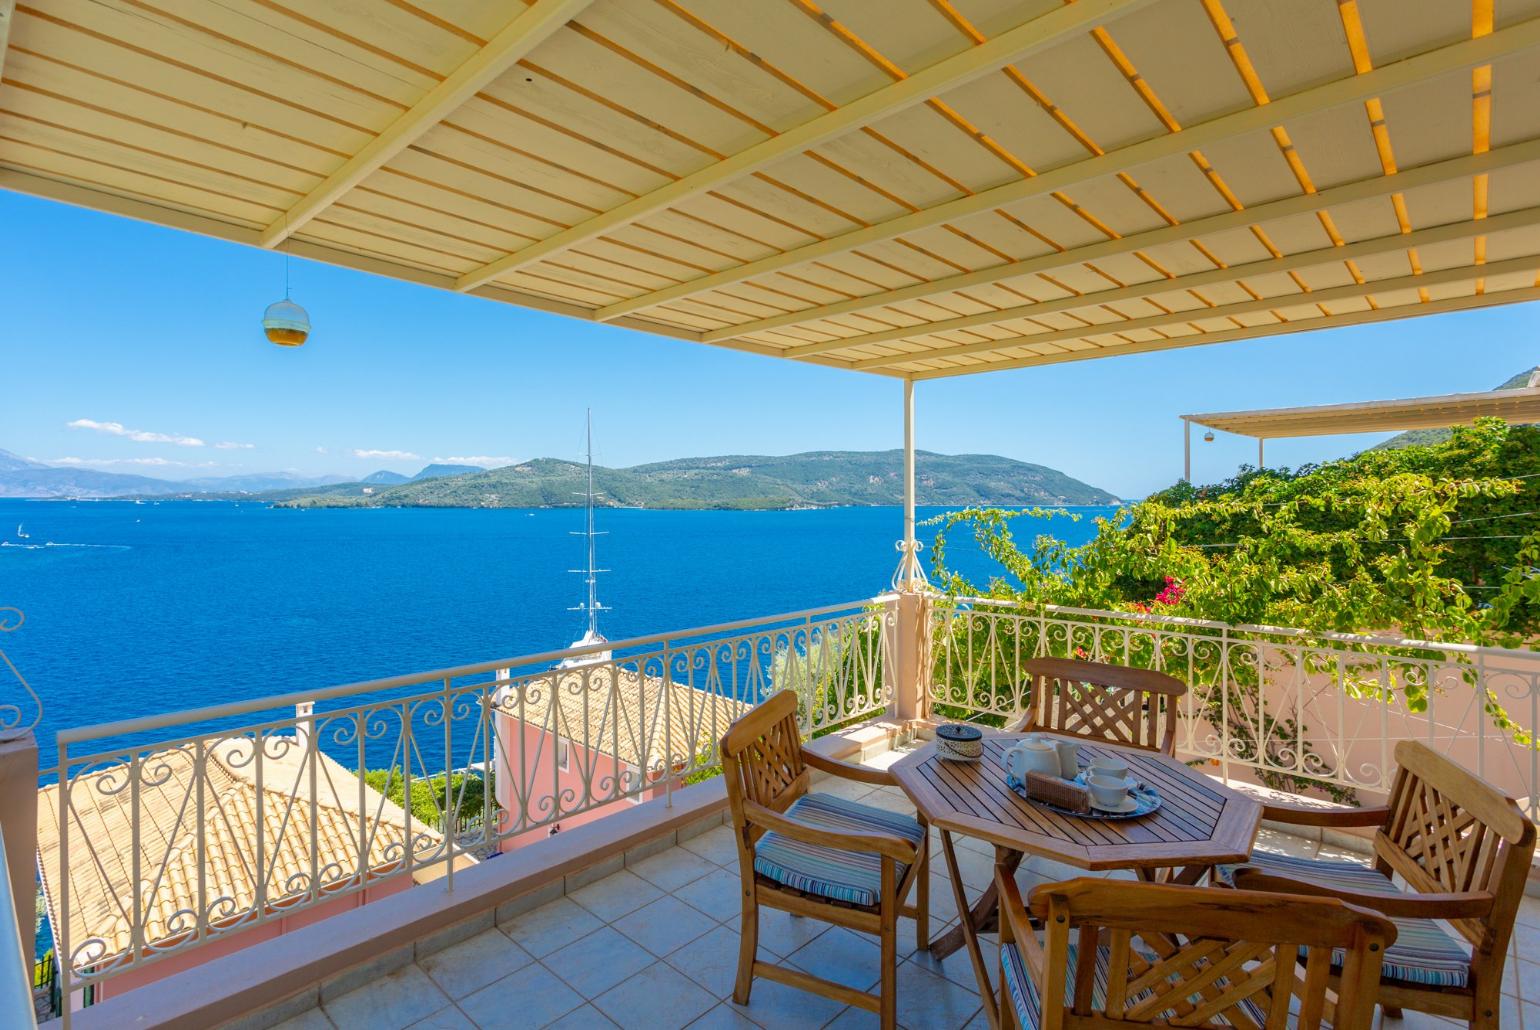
(1069, 753)
(1109, 766)
(1106, 791)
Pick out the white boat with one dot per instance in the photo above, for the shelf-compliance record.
(591, 606)
(21, 535)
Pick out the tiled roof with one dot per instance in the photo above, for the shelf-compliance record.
(172, 799)
(618, 712)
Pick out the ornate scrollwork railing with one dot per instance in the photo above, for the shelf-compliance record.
(1296, 710)
(175, 831)
(23, 715)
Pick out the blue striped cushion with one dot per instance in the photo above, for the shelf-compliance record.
(1028, 1003)
(1424, 953)
(851, 876)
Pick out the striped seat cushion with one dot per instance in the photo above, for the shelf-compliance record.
(850, 876)
(1424, 952)
(1027, 1001)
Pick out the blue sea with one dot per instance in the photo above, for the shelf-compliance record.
(138, 609)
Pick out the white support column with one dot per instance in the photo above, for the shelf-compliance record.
(1186, 451)
(911, 612)
(1261, 458)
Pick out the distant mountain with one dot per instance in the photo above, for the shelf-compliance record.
(440, 471)
(20, 477)
(385, 477)
(1421, 437)
(815, 479)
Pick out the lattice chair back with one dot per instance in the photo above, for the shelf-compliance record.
(1114, 703)
(762, 759)
(1117, 953)
(1450, 832)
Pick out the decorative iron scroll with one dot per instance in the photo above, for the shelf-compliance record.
(12, 716)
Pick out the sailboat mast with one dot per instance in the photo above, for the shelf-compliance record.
(593, 578)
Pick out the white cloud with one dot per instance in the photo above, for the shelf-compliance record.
(137, 435)
(487, 461)
(230, 445)
(150, 462)
(390, 455)
(320, 450)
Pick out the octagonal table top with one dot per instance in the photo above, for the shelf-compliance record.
(1200, 821)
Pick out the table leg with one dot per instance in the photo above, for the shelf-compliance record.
(969, 931)
(1185, 875)
(984, 915)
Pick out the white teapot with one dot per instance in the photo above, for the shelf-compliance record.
(1033, 754)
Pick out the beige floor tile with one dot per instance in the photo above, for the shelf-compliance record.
(712, 961)
(314, 1019)
(1279, 843)
(672, 869)
(958, 967)
(392, 1002)
(783, 933)
(449, 1018)
(585, 1018)
(532, 997)
(715, 846)
(841, 787)
(778, 1007)
(598, 962)
(841, 955)
(717, 894)
(664, 925)
(724, 1017)
(475, 962)
(615, 895)
(551, 926)
(658, 998)
(927, 999)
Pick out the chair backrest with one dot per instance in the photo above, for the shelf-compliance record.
(1203, 956)
(1450, 831)
(762, 759)
(1115, 703)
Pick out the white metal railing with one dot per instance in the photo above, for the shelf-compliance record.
(15, 964)
(148, 807)
(1295, 708)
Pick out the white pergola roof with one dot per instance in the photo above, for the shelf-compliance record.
(917, 188)
(1520, 406)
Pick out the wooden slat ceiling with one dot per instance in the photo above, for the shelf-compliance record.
(1521, 407)
(917, 188)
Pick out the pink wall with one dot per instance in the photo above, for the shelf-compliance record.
(241, 939)
(527, 779)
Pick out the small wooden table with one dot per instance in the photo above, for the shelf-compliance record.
(1200, 823)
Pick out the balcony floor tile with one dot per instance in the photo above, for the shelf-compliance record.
(393, 1002)
(551, 926)
(449, 1018)
(666, 924)
(599, 961)
(715, 846)
(475, 962)
(718, 894)
(532, 997)
(616, 894)
(658, 998)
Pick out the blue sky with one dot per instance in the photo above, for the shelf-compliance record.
(146, 331)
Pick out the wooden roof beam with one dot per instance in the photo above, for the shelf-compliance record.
(1351, 291)
(7, 15)
(957, 70)
(1521, 219)
(532, 27)
(1434, 307)
(1382, 80)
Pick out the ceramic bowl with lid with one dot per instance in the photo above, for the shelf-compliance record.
(958, 742)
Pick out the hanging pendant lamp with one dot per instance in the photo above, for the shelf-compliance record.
(285, 322)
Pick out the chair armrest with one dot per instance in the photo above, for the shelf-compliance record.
(1306, 815)
(886, 844)
(1458, 905)
(1013, 911)
(860, 773)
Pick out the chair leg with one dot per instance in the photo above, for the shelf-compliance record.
(748, 946)
(922, 896)
(1487, 1004)
(887, 1011)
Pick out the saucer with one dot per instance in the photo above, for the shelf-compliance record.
(1084, 780)
(1128, 804)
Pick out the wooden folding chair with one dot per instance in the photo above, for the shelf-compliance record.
(1463, 851)
(1120, 953)
(1112, 703)
(818, 855)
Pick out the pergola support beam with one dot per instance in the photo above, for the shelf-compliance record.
(1444, 171)
(532, 27)
(1304, 325)
(954, 71)
(1352, 291)
(1382, 80)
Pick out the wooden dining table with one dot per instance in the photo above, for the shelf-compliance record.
(1199, 824)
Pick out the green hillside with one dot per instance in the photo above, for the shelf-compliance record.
(815, 479)
(1428, 437)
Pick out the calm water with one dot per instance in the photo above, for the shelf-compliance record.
(137, 609)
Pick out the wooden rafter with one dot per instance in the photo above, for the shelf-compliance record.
(1391, 314)
(1352, 291)
(1385, 79)
(528, 30)
(7, 15)
(1031, 37)
(1521, 219)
